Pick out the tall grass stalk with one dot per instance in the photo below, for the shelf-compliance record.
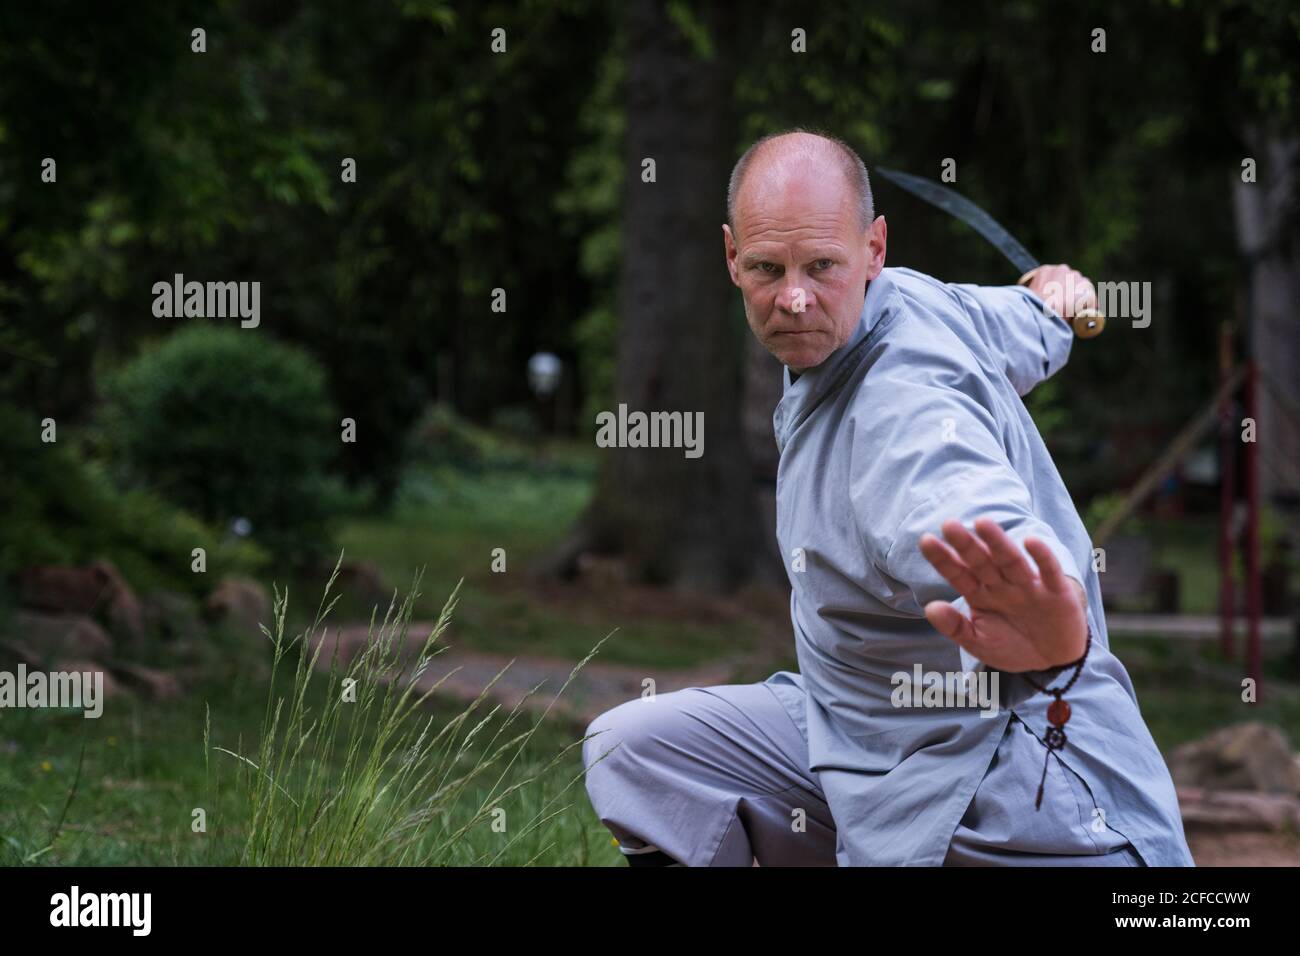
(371, 780)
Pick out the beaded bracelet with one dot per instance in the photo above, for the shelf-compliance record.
(1058, 712)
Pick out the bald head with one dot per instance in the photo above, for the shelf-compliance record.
(777, 155)
(802, 242)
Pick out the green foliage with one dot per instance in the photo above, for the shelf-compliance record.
(478, 171)
(591, 204)
(59, 509)
(229, 423)
(226, 165)
(442, 438)
(1101, 507)
(1049, 411)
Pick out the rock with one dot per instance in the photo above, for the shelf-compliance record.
(1248, 756)
(98, 590)
(154, 684)
(112, 689)
(60, 590)
(13, 653)
(1237, 810)
(124, 612)
(362, 580)
(49, 636)
(240, 602)
(173, 616)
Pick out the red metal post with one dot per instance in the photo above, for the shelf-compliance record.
(1253, 592)
(1229, 438)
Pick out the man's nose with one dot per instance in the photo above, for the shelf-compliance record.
(794, 296)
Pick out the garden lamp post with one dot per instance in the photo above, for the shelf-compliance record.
(544, 373)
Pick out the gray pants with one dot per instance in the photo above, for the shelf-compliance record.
(718, 776)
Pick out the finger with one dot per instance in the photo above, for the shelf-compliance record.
(1009, 560)
(1051, 290)
(1066, 291)
(1049, 569)
(972, 552)
(1085, 295)
(952, 624)
(948, 563)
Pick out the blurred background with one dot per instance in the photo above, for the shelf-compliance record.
(458, 254)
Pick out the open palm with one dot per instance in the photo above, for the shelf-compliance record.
(1021, 619)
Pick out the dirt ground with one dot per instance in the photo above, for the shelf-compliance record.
(1244, 849)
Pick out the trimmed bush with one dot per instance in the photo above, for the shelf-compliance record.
(231, 424)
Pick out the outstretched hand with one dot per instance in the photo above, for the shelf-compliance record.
(1021, 619)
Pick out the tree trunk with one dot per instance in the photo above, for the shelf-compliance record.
(1269, 242)
(689, 522)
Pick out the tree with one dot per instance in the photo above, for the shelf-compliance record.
(676, 520)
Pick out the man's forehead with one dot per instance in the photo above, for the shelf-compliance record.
(795, 224)
(804, 197)
(761, 245)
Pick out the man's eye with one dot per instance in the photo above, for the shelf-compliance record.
(763, 267)
(824, 263)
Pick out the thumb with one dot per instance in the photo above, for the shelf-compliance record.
(948, 621)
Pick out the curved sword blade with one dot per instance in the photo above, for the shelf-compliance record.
(954, 203)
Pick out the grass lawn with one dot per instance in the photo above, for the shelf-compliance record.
(144, 774)
(449, 522)
(144, 769)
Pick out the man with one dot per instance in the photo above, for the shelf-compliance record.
(901, 421)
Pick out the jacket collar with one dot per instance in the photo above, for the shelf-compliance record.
(802, 396)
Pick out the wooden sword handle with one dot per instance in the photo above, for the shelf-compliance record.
(1087, 324)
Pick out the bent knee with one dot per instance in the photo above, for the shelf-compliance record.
(635, 728)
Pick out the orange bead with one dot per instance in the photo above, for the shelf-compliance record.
(1058, 712)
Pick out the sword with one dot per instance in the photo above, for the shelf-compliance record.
(1087, 323)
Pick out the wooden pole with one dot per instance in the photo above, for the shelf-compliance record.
(1183, 442)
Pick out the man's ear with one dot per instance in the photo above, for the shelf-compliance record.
(729, 245)
(877, 236)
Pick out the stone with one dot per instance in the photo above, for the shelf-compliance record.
(241, 603)
(112, 689)
(59, 590)
(1250, 756)
(362, 581)
(1237, 810)
(123, 611)
(48, 636)
(98, 589)
(13, 653)
(153, 684)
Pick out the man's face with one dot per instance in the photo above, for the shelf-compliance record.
(800, 243)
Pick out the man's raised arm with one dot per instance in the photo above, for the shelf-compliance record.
(1023, 325)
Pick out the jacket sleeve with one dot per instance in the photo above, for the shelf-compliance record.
(1030, 340)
